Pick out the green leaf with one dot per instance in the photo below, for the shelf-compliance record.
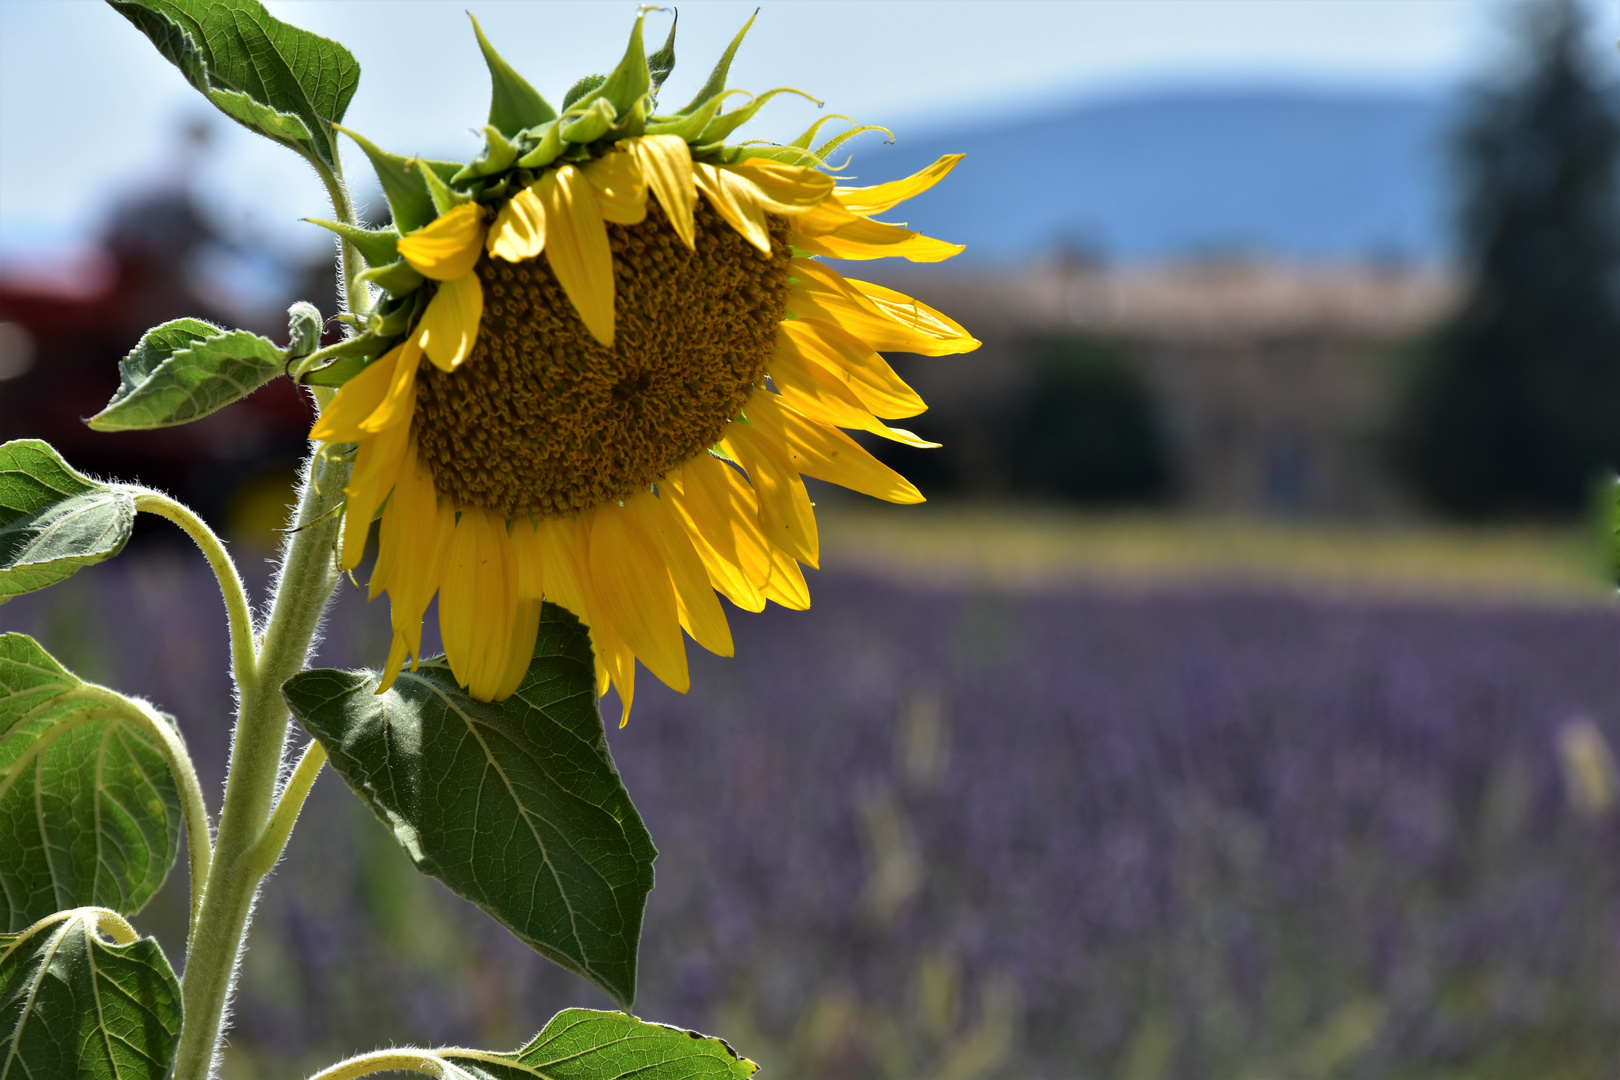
(89, 813)
(54, 522)
(513, 103)
(516, 805)
(584, 1044)
(285, 83)
(184, 370)
(75, 1006)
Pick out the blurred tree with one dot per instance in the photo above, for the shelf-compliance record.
(1088, 431)
(1517, 406)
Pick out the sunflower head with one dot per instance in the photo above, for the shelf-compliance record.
(601, 356)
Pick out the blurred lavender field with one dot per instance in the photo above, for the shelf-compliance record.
(960, 831)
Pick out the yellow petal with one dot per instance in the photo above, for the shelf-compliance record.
(695, 602)
(620, 191)
(785, 510)
(564, 553)
(847, 357)
(725, 575)
(818, 393)
(915, 314)
(620, 665)
(880, 197)
(788, 190)
(785, 583)
(737, 200)
(577, 247)
(633, 590)
(424, 537)
(519, 231)
(725, 533)
(828, 454)
(866, 239)
(531, 572)
(520, 651)
(666, 164)
(478, 603)
(909, 326)
(449, 326)
(399, 404)
(406, 531)
(397, 653)
(447, 247)
(376, 466)
(356, 400)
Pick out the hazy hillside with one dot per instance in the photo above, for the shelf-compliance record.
(1287, 173)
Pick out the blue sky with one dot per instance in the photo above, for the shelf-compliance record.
(118, 107)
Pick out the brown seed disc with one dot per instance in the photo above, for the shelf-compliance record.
(542, 419)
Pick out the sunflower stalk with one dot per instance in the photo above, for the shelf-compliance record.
(256, 819)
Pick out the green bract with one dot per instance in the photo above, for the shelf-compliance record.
(523, 137)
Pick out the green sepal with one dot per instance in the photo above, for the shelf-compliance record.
(304, 328)
(397, 277)
(690, 126)
(76, 1006)
(630, 81)
(402, 185)
(377, 246)
(716, 83)
(53, 521)
(396, 314)
(286, 83)
(821, 152)
(437, 174)
(89, 812)
(724, 124)
(588, 1044)
(516, 805)
(581, 87)
(549, 147)
(184, 370)
(662, 62)
(499, 153)
(337, 364)
(594, 123)
(513, 103)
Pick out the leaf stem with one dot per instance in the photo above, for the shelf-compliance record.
(426, 1062)
(356, 293)
(243, 666)
(199, 844)
(263, 855)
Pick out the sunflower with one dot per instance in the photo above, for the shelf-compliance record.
(605, 355)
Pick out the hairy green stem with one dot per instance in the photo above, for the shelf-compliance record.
(252, 828)
(243, 667)
(308, 575)
(379, 1061)
(199, 845)
(262, 858)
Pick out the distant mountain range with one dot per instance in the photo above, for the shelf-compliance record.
(1287, 174)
